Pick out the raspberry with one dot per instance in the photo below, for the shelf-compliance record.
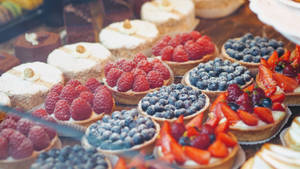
(162, 69)
(185, 37)
(125, 82)
(80, 109)
(206, 44)
(19, 146)
(68, 93)
(8, 123)
(92, 84)
(234, 91)
(125, 65)
(175, 41)
(103, 102)
(167, 53)
(24, 125)
(137, 72)
(39, 138)
(108, 66)
(194, 50)
(3, 148)
(73, 83)
(145, 66)
(155, 60)
(7, 132)
(155, 79)
(80, 88)
(139, 57)
(160, 45)
(113, 76)
(50, 131)
(62, 110)
(13, 117)
(57, 88)
(40, 113)
(140, 84)
(179, 54)
(195, 35)
(104, 88)
(88, 96)
(50, 101)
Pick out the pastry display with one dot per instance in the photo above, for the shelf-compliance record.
(127, 38)
(248, 50)
(77, 103)
(170, 16)
(197, 145)
(213, 77)
(28, 84)
(275, 157)
(185, 51)
(252, 114)
(123, 132)
(72, 156)
(31, 47)
(292, 135)
(7, 61)
(217, 8)
(80, 61)
(170, 102)
(130, 80)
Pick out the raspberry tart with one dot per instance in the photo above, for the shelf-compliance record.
(213, 77)
(292, 135)
(80, 61)
(170, 102)
(79, 104)
(130, 80)
(122, 133)
(248, 50)
(170, 16)
(28, 84)
(74, 156)
(197, 145)
(185, 51)
(127, 38)
(252, 115)
(22, 140)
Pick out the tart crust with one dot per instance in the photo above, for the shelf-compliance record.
(289, 142)
(26, 162)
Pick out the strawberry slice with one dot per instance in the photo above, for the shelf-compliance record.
(218, 149)
(230, 115)
(197, 155)
(278, 98)
(277, 106)
(121, 164)
(137, 162)
(249, 88)
(213, 121)
(178, 153)
(286, 83)
(248, 118)
(285, 56)
(270, 91)
(265, 77)
(196, 121)
(220, 98)
(264, 62)
(192, 131)
(264, 114)
(180, 119)
(273, 60)
(228, 140)
(222, 127)
(166, 138)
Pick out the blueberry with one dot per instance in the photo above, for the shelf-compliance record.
(256, 59)
(191, 110)
(114, 137)
(233, 106)
(158, 107)
(179, 104)
(247, 58)
(128, 142)
(106, 118)
(218, 60)
(212, 73)
(246, 77)
(172, 100)
(137, 139)
(227, 45)
(163, 102)
(183, 97)
(267, 102)
(280, 44)
(240, 80)
(179, 112)
(273, 43)
(201, 85)
(116, 129)
(238, 56)
(212, 86)
(132, 132)
(116, 115)
(145, 105)
(208, 68)
(222, 85)
(117, 145)
(212, 138)
(235, 45)
(53, 153)
(129, 119)
(254, 51)
(248, 35)
(170, 107)
(153, 100)
(266, 57)
(151, 110)
(226, 62)
(179, 86)
(159, 115)
(230, 76)
(280, 51)
(132, 124)
(270, 50)
(187, 103)
(184, 141)
(141, 127)
(241, 47)
(223, 74)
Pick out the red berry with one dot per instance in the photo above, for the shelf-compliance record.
(207, 46)
(39, 138)
(155, 79)
(104, 89)
(19, 146)
(202, 141)
(194, 50)
(164, 71)
(175, 41)
(8, 123)
(15, 118)
(207, 129)
(125, 82)
(145, 66)
(103, 102)
(73, 83)
(50, 131)
(140, 84)
(7, 132)
(139, 57)
(195, 35)
(160, 45)
(3, 148)
(245, 103)
(234, 91)
(40, 113)
(88, 96)
(113, 76)
(257, 95)
(92, 84)
(137, 72)
(177, 130)
(56, 88)
(24, 126)
(167, 53)
(80, 88)
(68, 93)
(179, 54)
(62, 110)
(185, 37)
(50, 101)
(80, 109)
(125, 65)
(108, 66)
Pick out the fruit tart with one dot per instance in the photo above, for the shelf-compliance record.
(248, 50)
(213, 77)
(22, 140)
(80, 61)
(122, 133)
(291, 137)
(275, 157)
(28, 84)
(130, 80)
(127, 38)
(170, 16)
(252, 115)
(185, 51)
(169, 102)
(76, 103)
(72, 156)
(197, 145)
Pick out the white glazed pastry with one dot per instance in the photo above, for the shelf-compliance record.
(292, 136)
(127, 38)
(27, 84)
(80, 61)
(4, 99)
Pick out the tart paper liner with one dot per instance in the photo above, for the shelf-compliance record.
(288, 115)
(281, 136)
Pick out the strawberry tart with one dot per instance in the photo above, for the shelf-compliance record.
(185, 51)
(80, 61)
(196, 145)
(76, 103)
(170, 16)
(28, 84)
(130, 80)
(292, 135)
(252, 114)
(22, 140)
(127, 38)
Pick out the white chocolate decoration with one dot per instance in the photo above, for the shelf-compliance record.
(31, 38)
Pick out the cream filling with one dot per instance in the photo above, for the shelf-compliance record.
(31, 38)
(294, 131)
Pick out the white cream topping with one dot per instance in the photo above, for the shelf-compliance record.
(31, 38)
(116, 36)
(294, 131)
(78, 57)
(156, 12)
(4, 99)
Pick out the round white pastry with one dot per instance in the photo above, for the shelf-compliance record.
(294, 131)
(4, 99)
(80, 61)
(27, 84)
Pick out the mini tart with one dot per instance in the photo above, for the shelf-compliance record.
(127, 38)
(26, 162)
(170, 16)
(291, 135)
